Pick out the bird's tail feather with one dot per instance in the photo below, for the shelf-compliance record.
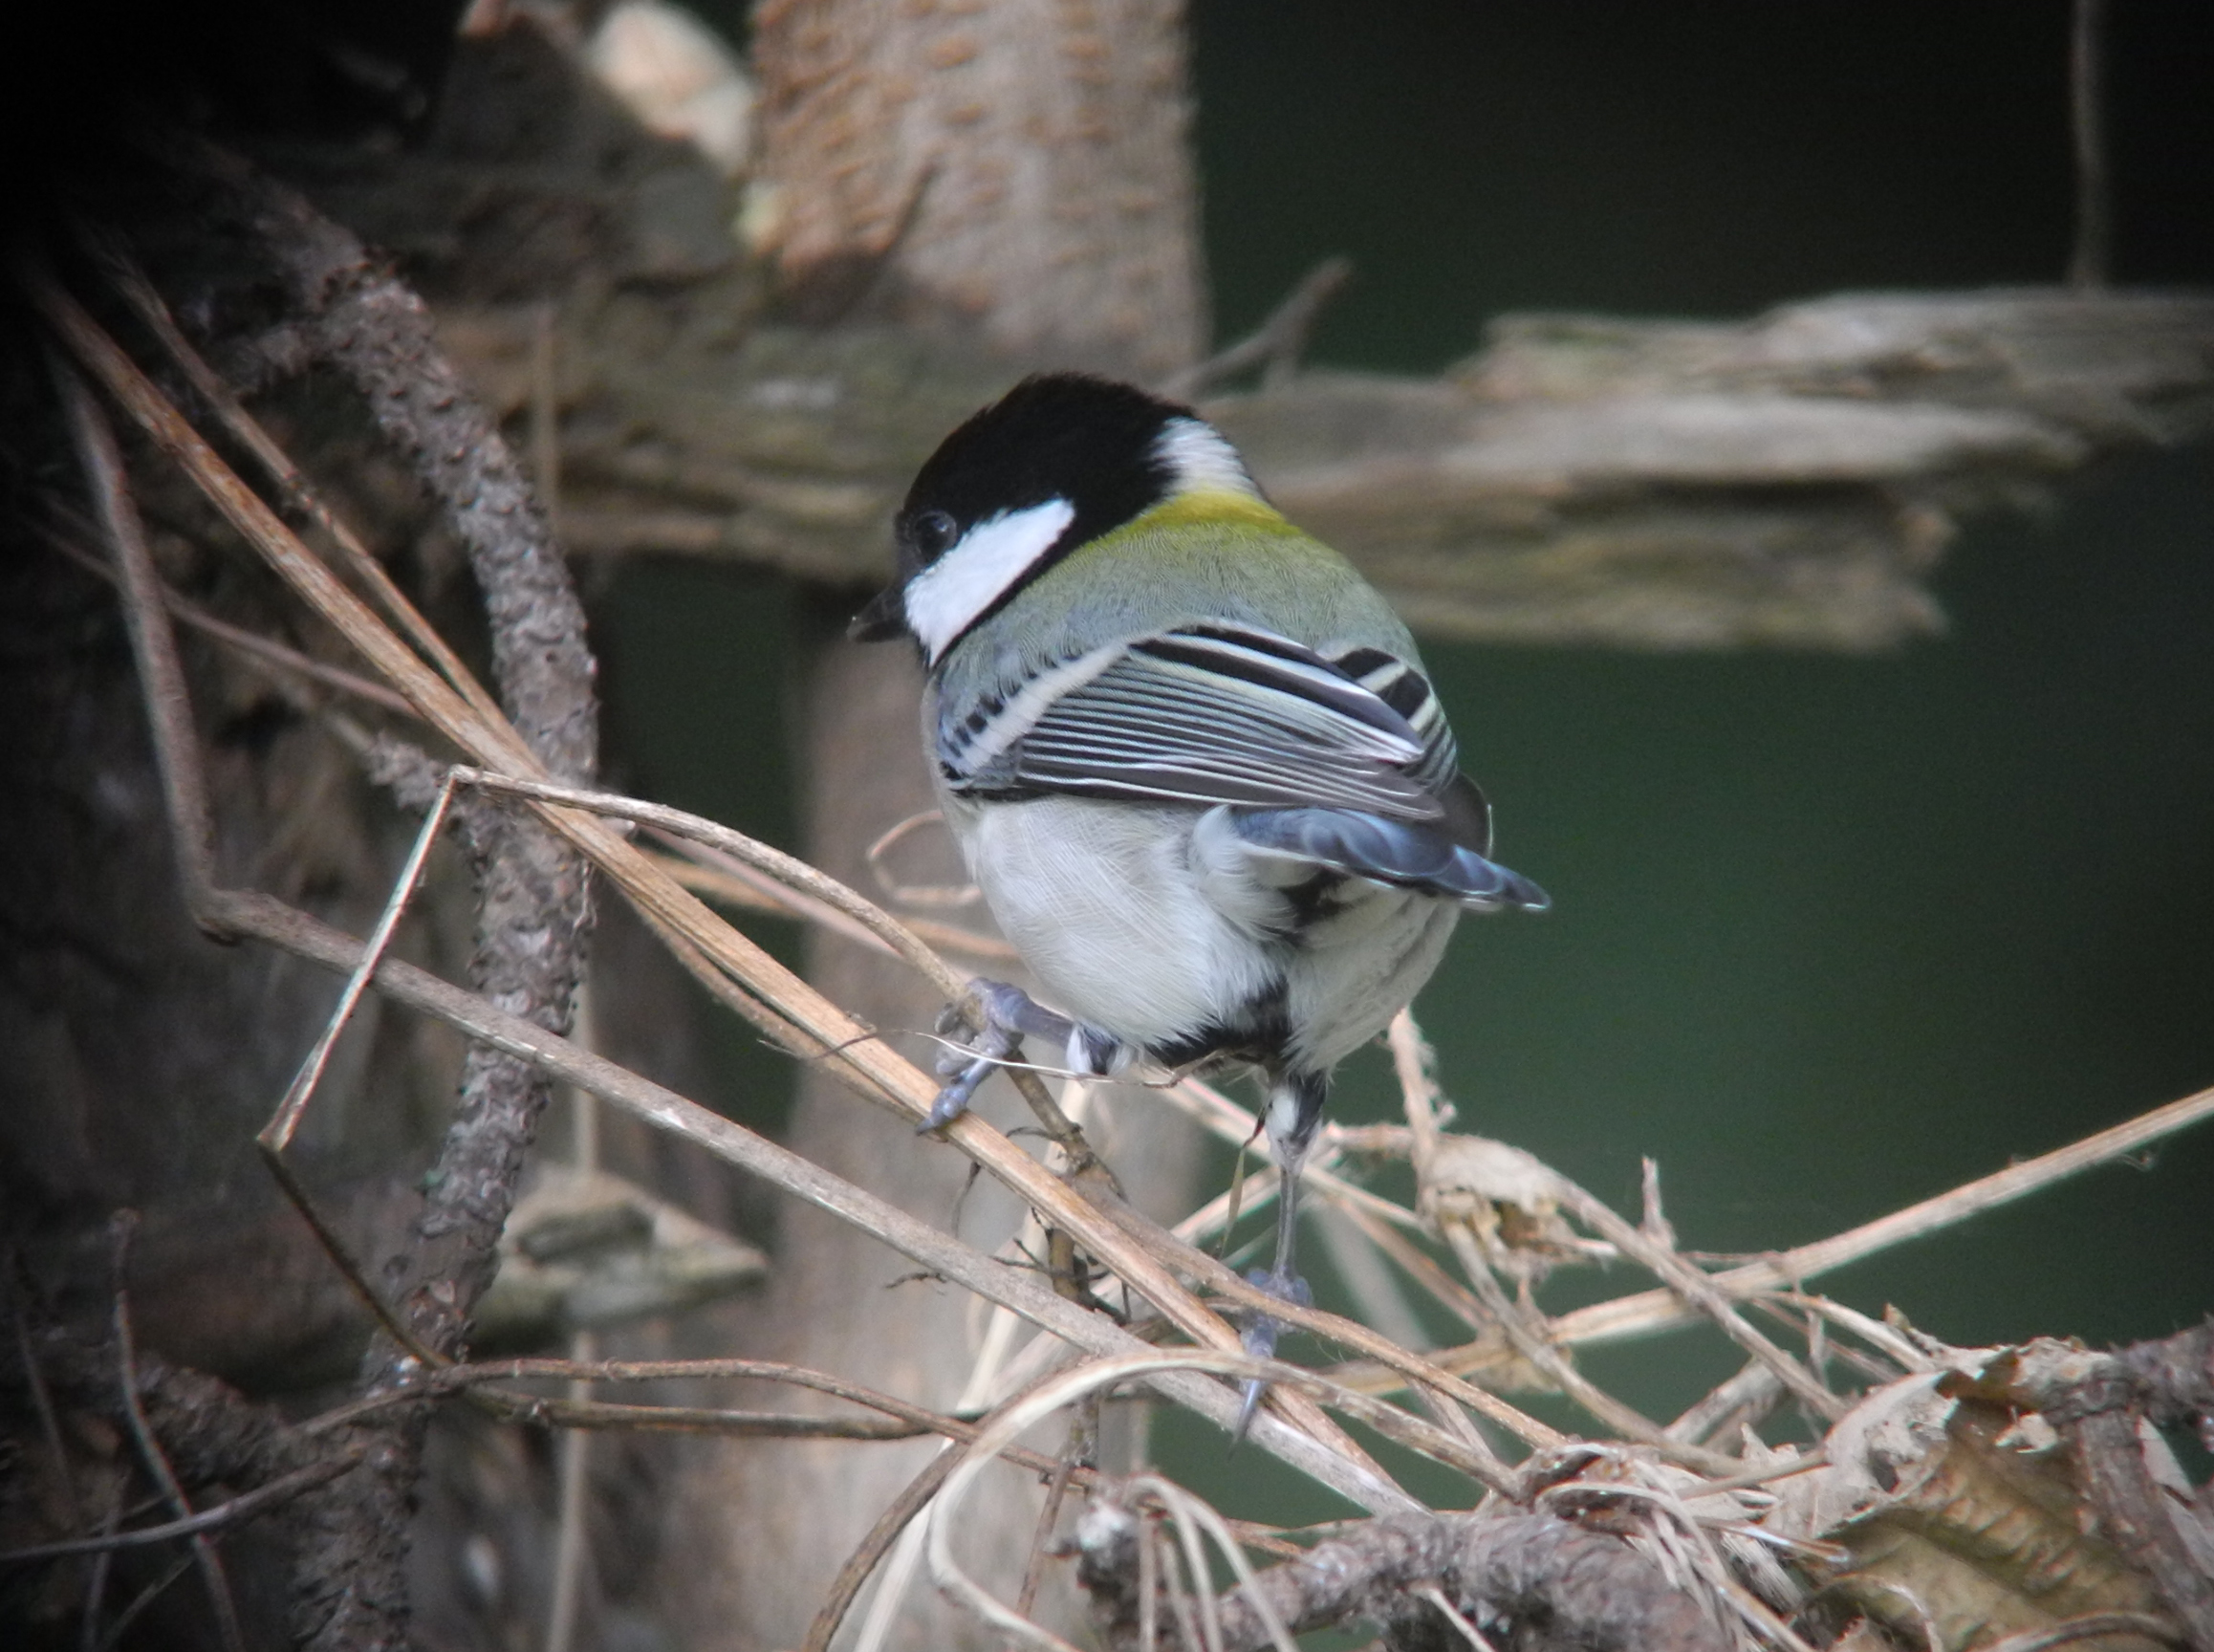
(1410, 855)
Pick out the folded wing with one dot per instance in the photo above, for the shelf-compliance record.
(1340, 761)
(1217, 714)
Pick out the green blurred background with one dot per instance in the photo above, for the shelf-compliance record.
(1830, 934)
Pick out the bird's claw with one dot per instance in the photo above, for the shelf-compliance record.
(965, 1072)
(1260, 1335)
(1008, 1013)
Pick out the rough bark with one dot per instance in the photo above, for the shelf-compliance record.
(1018, 172)
(1531, 1582)
(350, 1577)
(142, 1060)
(2098, 1401)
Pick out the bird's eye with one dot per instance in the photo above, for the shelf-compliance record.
(932, 534)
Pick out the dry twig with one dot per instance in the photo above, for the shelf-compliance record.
(1650, 1311)
(150, 1453)
(813, 1028)
(216, 1515)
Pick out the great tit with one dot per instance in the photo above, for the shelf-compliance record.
(1190, 756)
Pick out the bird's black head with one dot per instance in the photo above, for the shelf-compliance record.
(1060, 459)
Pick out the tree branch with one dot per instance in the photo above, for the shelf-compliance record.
(534, 915)
(1561, 1585)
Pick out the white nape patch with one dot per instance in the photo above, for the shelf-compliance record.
(944, 600)
(1199, 459)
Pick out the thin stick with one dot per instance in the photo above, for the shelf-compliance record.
(756, 893)
(543, 1411)
(1276, 345)
(941, 895)
(881, 1535)
(572, 1548)
(454, 1379)
(1752, 1385)
(1148, 1587)
(1530, 1341)
(1652, 1310)
(136, 291)
(1245, 1194)
(2087, 262)
(1699, 1291)
(42, 1402)
(160, 677)
(243, 1506)
(150, 1453)
(277, 1133)
(144, 1598)
(1019, 1416)
(817, 886)
(905, 1420)
(341, 1257)
(1413, 1062)
(1653, 1221)
(1193, 1542)
(1180, 1597)
(1804, 1462)
(1083, 1444)
(1195, 1511)
(1873, 1332)
(96, 1587)
(1413, 1065)
(571, 1556)
(1453, 1615)
(261, 649)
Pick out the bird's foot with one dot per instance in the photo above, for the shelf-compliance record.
(1259, 1337)
(1010, 1015)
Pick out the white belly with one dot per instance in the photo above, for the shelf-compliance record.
(1145, 927)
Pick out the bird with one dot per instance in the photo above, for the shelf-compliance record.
(1191, 758)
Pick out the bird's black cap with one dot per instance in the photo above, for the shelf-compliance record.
(1093, 442)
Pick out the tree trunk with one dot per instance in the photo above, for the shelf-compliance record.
(1017, 177)
(1019, 170)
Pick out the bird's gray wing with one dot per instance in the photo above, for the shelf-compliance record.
(1216, 714)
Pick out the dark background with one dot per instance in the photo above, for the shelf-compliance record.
(1830, 935)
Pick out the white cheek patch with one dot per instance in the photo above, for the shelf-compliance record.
(1200, 459)
(944, 600)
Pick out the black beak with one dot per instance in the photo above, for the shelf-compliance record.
(882, 620)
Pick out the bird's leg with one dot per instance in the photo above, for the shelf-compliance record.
(1010, 1015)
(1294, 1115)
